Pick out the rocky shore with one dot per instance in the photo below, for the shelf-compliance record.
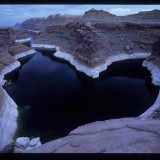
(90, 43)
(10, 52)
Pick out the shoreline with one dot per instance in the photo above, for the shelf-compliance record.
(151, 109)
(8, 111)
(22, 41)
(92, 72)
(155, 75)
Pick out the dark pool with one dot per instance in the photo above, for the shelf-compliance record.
(54, 98)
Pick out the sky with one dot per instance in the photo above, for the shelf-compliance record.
(12, 14)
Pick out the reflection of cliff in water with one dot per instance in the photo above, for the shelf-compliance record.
(127, 68)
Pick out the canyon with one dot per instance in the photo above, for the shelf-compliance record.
(90, 43)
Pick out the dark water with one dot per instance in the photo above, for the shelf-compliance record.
(54, 98)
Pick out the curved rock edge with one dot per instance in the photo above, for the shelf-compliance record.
(155, 74)
(8, 122)
(124, 135)
(94, 72)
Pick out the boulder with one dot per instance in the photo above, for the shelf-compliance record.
(23, 144)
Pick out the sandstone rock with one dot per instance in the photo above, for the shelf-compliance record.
(9, 53)
(108, 137)
(24, 144)
(93, 13)
(35, 142)
(92, 41)
(156, 48)
(146, 15)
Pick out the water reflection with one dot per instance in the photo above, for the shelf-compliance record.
(54, 98)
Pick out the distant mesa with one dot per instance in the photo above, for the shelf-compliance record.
(153, 14)
(97, 13)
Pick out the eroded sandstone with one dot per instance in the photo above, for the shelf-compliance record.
(108, 137)
(9, 53)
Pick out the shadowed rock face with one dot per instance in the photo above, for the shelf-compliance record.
(156, 48)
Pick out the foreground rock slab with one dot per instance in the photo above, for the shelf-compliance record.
(126, 135)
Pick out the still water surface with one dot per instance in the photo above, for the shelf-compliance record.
(54, 98)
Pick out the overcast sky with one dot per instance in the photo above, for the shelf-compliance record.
(11, 14)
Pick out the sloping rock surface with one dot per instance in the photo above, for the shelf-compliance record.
(127, 135)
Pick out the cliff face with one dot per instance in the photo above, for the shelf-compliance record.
(92, 41)
(8, 47)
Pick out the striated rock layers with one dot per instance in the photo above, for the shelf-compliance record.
(92, 41)
(9, 53)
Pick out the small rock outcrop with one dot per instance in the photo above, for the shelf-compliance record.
(94, 14)
(23, 144)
